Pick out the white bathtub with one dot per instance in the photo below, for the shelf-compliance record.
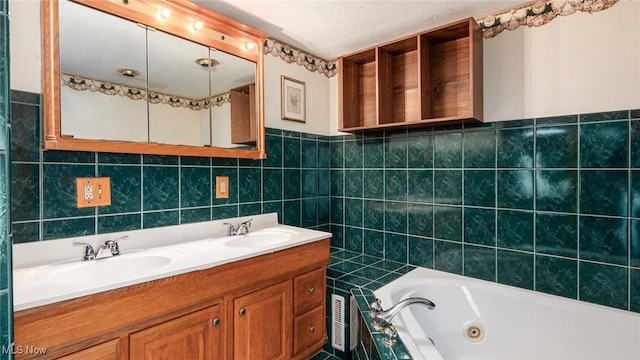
(515, 323)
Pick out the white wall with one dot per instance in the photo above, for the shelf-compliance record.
(93, 115)
(24, 42)
(576, 64)
(317, 93)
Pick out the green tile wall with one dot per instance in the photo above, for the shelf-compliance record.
(152, 191)
(549, 204)
(530, 203)
(6, 307)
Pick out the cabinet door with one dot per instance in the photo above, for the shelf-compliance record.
(196, 336)
(262, 324)
(109, 350)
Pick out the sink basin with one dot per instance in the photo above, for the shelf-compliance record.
(261, 238)
(104, 270)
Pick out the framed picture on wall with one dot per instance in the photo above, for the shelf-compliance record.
(293, 99)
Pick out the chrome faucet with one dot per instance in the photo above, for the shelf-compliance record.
(382, 318)
(101, 252)
(241, 229)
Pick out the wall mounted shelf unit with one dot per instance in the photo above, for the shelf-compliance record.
(431, 78)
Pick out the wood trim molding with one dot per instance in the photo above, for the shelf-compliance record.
(236, 36)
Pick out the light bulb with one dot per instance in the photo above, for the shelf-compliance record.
(198, 25)
(249, 46)
(165, 13)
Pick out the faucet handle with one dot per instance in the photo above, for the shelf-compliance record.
(375, 307)
(244, 225)
(113, 244)
(390, 334)
(89, 254)
(231, 229)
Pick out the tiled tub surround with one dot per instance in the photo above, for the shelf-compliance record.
(371, 344)
(549, 204)
(152, 191)
(349, 270)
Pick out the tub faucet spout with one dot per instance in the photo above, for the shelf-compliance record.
(384, 317)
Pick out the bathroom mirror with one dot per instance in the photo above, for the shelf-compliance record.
(151, 78)
(178, 91)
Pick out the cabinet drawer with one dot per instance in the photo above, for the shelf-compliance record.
(308, 290)
(308, 329)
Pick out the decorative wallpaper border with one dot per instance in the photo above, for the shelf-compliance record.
(538, 14)
(532, 14)
(292, 54)
(80, 83)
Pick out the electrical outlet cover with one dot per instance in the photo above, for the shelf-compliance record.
(93, 191)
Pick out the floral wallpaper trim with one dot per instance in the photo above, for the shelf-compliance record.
(292, 54)
(538, 14)
(531, 14)
(80, 83)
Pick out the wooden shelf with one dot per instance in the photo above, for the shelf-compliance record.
(243, 115)
(430, 78)
(358, 85)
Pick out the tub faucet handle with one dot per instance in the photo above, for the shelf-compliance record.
(390, 334)
(375, 307)
(383, 318)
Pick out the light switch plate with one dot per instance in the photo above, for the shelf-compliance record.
(222, 187)
(93, 191)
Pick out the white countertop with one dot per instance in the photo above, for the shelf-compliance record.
(50, 271)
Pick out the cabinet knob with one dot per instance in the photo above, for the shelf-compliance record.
(312, 290)
(312, 329)
(243, 311)
(216, 322)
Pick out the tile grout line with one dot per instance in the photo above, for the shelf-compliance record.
(141, 157)
(629, 210)
(495, 203)
(578, 204)
(534, 194)
(462, 165)
(40, 184)
(433, 194)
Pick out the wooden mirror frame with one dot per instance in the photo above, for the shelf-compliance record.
(219, 32)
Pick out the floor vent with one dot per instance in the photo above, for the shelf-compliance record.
(354, 324)
(337, 328)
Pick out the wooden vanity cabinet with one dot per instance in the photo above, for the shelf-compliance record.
(267, 307)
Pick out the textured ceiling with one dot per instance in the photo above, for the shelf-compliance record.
(331, 28)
